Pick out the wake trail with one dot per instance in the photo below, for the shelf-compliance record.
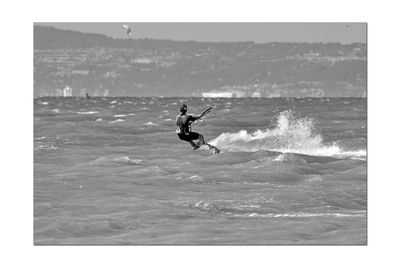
(291, 135)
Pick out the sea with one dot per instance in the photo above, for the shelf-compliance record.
(112, 171)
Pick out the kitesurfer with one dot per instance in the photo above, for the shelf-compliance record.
(183, 121)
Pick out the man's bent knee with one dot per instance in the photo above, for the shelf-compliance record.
(201, 139)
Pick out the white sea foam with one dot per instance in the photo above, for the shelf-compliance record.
(290, 135)
(358, 154)
(120, 115)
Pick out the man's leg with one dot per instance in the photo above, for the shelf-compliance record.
(195, 136)
(194, 146)
(201, 140)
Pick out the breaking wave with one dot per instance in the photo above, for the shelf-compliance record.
(116, 160)
(291, 135)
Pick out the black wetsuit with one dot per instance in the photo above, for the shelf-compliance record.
(185, 133)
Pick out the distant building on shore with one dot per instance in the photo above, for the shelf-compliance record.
(67, 91)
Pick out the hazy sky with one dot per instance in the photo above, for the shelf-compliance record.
(225, 32)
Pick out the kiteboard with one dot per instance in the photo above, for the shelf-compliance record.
(212, 148)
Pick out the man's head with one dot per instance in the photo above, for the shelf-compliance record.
(183, 108)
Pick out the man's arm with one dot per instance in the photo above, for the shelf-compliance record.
(202, 114)
(194, 118)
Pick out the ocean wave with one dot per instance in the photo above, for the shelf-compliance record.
(257, 209)
(290, 135)
(44, 146)
(150, 124)
(87, 112)
(115, 121)
(115, 160)
(302, 215)
(229, 208)
(124, 115)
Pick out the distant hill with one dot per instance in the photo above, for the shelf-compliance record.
(98, 65)
(53, 38)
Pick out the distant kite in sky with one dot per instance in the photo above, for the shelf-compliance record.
(128, 29)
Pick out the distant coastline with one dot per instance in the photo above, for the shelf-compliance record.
(98, 65)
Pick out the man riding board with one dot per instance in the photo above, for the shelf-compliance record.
(184, 121)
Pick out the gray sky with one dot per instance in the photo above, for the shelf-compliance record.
(226, 32)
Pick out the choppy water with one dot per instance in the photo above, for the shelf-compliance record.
(113, 171)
